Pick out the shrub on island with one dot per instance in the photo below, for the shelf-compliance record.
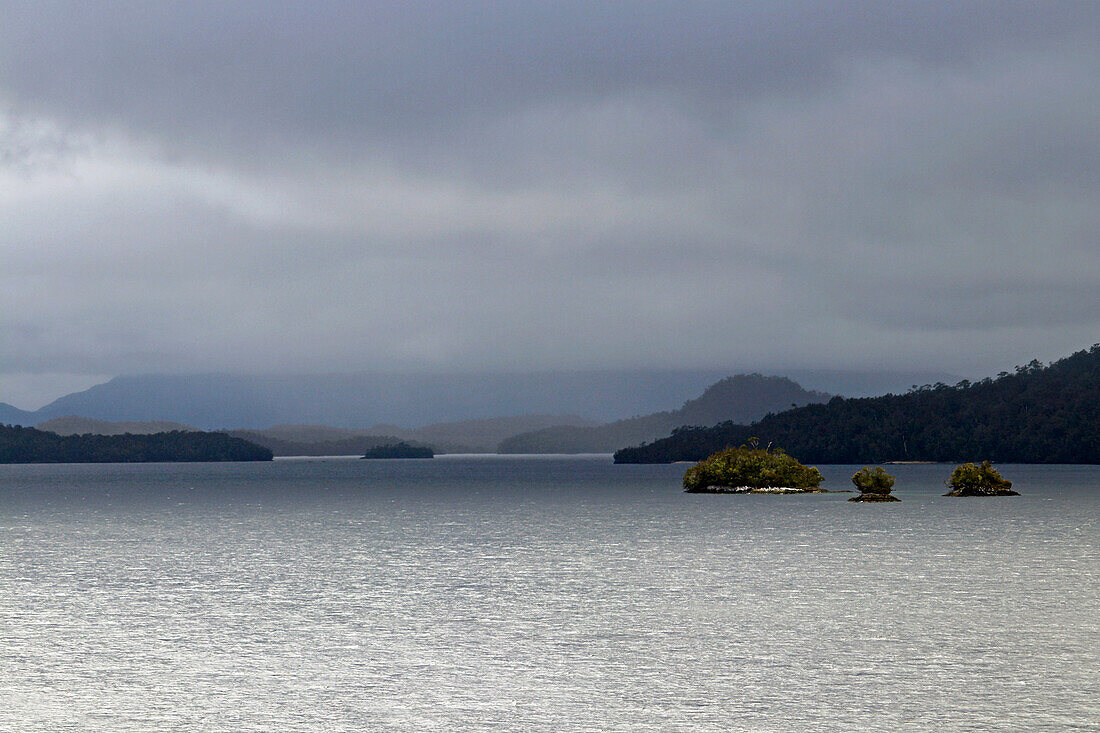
(973, 480)
(874, 484)
(755, 470)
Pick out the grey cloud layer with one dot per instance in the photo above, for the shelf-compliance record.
(413, 74)
(269, 186)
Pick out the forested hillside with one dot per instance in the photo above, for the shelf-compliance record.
(1038, 414)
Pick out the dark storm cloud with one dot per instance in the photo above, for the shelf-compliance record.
(340, 186)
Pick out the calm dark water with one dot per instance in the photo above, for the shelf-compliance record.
(539, 594)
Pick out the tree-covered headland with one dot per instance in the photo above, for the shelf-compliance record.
(1039, 414)
(27, 445)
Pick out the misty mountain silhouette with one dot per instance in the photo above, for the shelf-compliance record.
(745, 397)
(214, 401)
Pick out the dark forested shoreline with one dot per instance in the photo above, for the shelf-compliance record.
(1039, 414)
(27, 445)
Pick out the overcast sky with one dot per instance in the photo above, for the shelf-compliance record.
(440, 186)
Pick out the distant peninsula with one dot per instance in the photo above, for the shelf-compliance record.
(28, 445)
(400, 450)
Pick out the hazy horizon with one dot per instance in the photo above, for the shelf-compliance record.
(477, 186)
(600, 395)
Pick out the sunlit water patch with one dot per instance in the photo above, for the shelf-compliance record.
(539, 594)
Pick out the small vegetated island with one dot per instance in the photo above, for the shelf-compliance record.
(400, 450)
(874, 484)
(28, 445)
(752, 470)
(971, 479)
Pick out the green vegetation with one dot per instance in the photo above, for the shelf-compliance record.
(1038, 414)
(874, 484)
(746, 469)
(974, 480)
(27, 445)
(400, 450)
(873, 480)
(743, 397)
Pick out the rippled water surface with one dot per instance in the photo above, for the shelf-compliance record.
(539, 594)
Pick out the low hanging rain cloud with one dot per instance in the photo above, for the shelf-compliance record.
(266, 187)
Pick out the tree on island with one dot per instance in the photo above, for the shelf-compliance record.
(973, 480)
(874, 484)
(751, 470)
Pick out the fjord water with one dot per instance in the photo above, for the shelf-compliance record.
(476, 593)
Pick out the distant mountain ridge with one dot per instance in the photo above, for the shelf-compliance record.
(744, 397)
(10, 415)
(358, 401)
(485, 434)
(465, 436)
(350, 446)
